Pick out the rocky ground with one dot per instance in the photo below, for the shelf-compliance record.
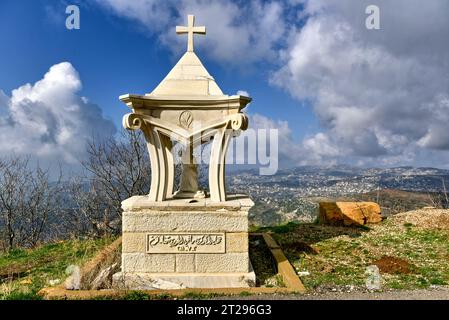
(411, 251)
(433, 293)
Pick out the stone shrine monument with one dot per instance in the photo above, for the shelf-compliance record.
(188, 238)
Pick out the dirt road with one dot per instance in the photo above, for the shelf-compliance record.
(438, 293)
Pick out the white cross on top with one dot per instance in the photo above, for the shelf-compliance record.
(190, 30)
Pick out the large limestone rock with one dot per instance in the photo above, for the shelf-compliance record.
(349, 213)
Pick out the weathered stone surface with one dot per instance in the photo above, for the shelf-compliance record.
(185, 263)
(229, 262)
(133, 242)
(108, 256)
(142, 262)
(237, 242)
(349, 213)
(143, 281)
(104, 278)
(148, 281)
(234, 202)
(182, 221)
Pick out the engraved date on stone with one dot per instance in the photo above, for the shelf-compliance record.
(186, 243)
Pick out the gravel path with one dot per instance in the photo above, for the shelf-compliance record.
(438, 293)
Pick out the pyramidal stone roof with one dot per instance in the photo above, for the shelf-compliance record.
(188, 78)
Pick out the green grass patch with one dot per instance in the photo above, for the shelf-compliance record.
(342, 254)
(23, 272)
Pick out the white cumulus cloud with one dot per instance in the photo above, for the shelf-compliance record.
(377, 94)
(381, 96)
(49, 120)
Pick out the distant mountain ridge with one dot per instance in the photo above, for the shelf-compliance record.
(367, 179)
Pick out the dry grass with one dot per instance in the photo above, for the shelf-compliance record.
(339, 256)
(23, 272)
(437, 219)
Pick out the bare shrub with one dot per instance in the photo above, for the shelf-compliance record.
(28, 202)
(116, 169)
(440, 200)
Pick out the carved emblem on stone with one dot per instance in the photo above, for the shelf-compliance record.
(186, 119)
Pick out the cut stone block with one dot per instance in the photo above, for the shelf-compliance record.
(133, 242)
(229, 262)
(185, 263)
(237, 242)
(148, 281)
(142, 262)
(349, 213)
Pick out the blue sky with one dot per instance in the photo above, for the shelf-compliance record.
(115, 57)
(374, 98)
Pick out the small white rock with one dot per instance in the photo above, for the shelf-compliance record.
(54, 282)
(373, 279)
(73, 282)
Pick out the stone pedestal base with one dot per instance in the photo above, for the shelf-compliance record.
(185, 244)
(168, 281)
